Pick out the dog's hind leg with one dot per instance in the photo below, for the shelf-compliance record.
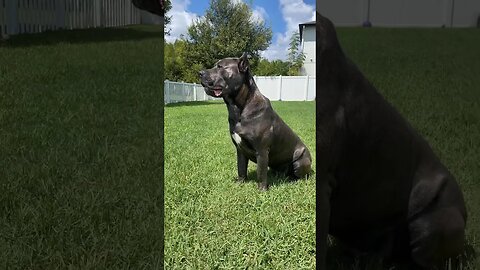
(437, 236)
(437, 220)
(302, 168)
(302, 164)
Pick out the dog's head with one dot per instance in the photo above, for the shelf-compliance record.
(331, 61)
(326, 35)
(226, 78)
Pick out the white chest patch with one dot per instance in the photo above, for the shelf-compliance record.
(236, 138)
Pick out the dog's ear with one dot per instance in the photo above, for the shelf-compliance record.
(243, 63)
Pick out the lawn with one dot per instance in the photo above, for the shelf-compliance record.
(81, 152)
(212, 222)
(81, 149)
(432, 76)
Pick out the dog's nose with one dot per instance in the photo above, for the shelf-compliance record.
(201, 73)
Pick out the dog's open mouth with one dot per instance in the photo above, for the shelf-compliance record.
(217, 91)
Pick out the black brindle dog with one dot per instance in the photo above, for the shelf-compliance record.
(259, 134)
(382, 189)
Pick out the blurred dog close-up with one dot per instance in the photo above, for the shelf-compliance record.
(382, 189)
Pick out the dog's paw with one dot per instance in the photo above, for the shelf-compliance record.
(262, 186)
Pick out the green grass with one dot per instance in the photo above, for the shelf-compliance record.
(80, 150)
(212, 222)
(432, 76)
(81, 144)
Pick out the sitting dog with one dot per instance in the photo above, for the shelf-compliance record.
(381, 188)
(258, 133)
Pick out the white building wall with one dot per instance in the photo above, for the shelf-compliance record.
(308, 48)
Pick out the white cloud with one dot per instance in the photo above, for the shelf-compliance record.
(181, 19)
(259, 14)
(278, 48)
(294, 12)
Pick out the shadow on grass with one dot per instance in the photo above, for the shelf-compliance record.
(193, 103)
(341, 258)
(274, 178)
(85, 36)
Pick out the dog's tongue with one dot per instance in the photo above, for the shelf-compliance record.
(217, 92)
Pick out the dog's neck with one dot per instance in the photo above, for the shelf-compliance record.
(244, 94)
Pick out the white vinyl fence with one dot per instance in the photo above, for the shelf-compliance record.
(34, 16)
(286, 88)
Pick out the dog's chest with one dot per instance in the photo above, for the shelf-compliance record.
(244, 146)
(236, 138)
(243, 131)
(242, 138)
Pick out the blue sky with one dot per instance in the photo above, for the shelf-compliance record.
(283, 16)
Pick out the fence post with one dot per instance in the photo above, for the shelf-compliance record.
(11, 7)
(166, 88)
(194, 92)
(280, 88)
(96, 13)
(306, 88)
(182, 83)
(60, 14)
(128, 11)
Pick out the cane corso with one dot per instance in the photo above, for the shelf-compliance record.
(258, 133)
(382, 190)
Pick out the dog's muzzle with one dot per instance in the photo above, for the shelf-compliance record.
(209, 85)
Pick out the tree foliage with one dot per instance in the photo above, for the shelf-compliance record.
(177, 67)
(173, 60)
(273, 68)
(168, 19)
(295, 56)
(227, 30)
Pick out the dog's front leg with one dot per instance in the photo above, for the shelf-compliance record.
(242, 165)
(323, 218)
(262, 169)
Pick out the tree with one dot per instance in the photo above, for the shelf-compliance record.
(295, 57)
(176, 67)
(274, 68)
(168, 19)
(227, 30)
(172, 60)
